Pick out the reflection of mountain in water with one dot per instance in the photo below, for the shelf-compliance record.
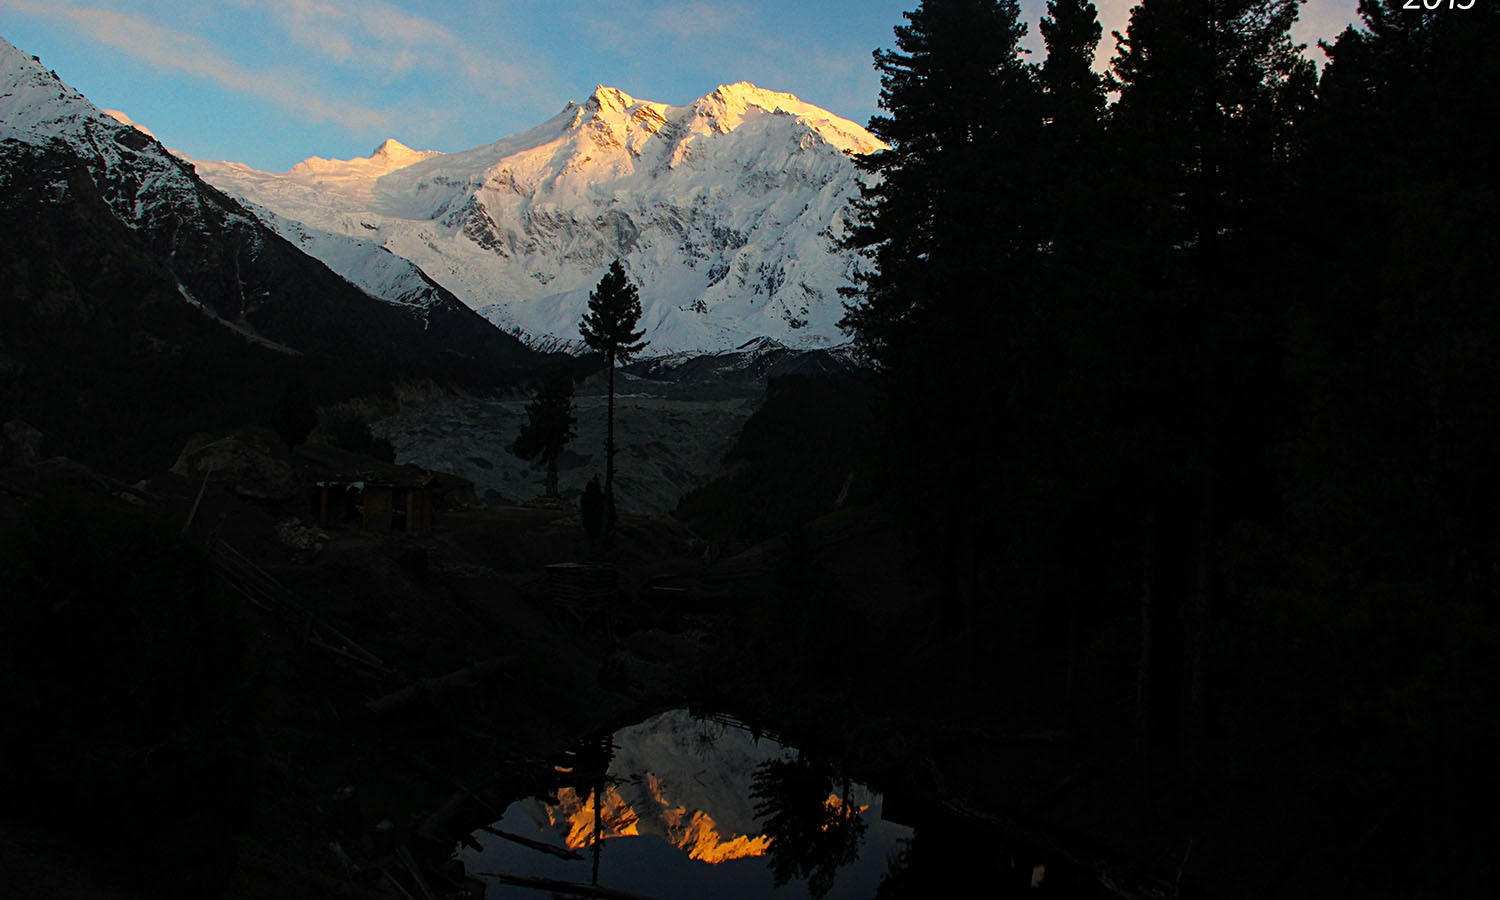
(681, 778)
(691, 830)
(690, 783)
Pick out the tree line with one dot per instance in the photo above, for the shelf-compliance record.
(1188, 377)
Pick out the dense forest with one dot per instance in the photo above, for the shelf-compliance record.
(1188, 377)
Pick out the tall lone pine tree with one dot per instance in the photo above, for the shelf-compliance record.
(609, 327)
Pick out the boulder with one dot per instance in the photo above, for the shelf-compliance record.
(298, 536)
(254, 472)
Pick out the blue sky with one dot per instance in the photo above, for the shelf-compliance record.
(271, 82)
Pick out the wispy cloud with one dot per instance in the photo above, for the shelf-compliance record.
(695, 20)
(379, 38)
(358, 55)
(685, 28)
(374, 35)
(171, 49)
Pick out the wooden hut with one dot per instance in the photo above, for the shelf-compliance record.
(388, 502)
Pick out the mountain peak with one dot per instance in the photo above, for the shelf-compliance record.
(388, 157)
(743, 93)
(391, 147)
(605, 97)
(729, 104)
(37, 107)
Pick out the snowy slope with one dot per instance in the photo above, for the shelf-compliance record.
(724, 211)
(138, 177)
(364, 263)
(148, 186)
(267, 282)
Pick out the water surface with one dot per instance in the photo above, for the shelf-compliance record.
(681, 806)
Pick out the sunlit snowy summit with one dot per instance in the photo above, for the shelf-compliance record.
(725, 212)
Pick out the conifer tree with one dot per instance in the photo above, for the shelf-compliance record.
(1387, 531)
(549, 425)
(1061, 453)
(1074, 91)
(1072, 99)
(610, 328)
(1074, 180)
(1211, 95)
(951, 202)
(948, 231)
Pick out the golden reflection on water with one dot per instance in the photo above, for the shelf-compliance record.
(693, 831)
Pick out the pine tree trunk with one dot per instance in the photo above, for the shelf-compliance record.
(1070, 678)
(951, 599)
(609, 450)
(1143, 699)
(1197, 627)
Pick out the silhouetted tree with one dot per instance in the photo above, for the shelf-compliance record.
(961, 107)
(1072, 99)
(1059, 449)
(1211, 93)
(609, 327)
(549, 425)
(293, 416)
(813, 832)
(591, 506)
(1074, 92)
(948, 232)
(1386, 597)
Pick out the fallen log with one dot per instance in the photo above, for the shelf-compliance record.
(397, 885)
(577, 889)
(559, 852)
(404, 854)
(466, 677)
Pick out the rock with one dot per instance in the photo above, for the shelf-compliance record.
(254, 472)
(294, 534)
(21, 445)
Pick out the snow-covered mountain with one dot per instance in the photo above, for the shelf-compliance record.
(724, 212)
(138, 178)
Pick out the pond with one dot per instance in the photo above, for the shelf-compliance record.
(687, 806)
